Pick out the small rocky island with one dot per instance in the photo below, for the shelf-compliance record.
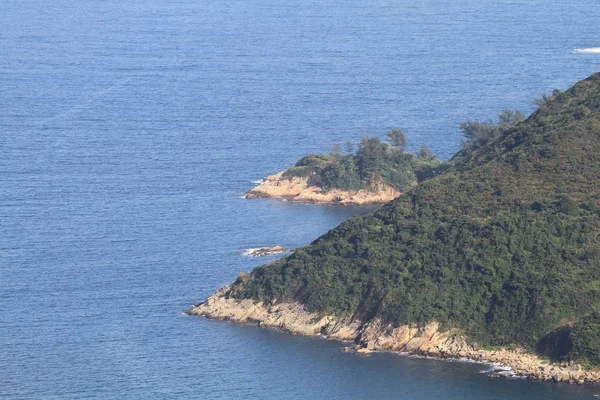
(375, 174)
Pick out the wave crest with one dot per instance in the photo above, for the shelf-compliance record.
(587, 50)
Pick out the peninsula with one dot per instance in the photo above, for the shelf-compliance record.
(496, 258)
(375, 174)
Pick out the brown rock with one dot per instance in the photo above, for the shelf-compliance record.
(293, 318)
(297, 189)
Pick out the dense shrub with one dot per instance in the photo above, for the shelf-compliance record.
(298, 172)
(373, 163)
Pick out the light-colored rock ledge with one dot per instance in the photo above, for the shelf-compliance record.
(297, 189)
(374, 335)
(266, 251)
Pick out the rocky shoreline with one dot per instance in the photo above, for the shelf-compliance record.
(427, 340)
(297, 189)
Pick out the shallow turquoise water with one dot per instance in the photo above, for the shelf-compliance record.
(129, 130)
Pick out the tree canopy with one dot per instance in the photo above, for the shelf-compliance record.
(373, 162)
(397, 138)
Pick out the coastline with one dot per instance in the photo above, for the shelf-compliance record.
(427, 340)
(297, 189)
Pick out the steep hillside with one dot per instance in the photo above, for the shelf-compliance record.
(503, 246)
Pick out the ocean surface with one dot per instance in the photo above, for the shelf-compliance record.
(130, 129)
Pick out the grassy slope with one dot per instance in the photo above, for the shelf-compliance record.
(504, 245)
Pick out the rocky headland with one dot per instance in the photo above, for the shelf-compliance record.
(500, 243)
(425, 340)
(298, 189)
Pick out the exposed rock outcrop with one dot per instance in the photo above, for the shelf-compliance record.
(297, 189)
(266, 251)
(427, 340)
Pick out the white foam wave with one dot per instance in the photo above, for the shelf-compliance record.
(494, 369)
(252, 252)
(498, 369)
(588, 50)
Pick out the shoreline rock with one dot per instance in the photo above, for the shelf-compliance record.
(297, 189)
(266, 251)
(375, 335)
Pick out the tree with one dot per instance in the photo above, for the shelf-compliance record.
(567, 205)
(482, 132)
(509, 118)
(349, 148)
(546, 98)
(337, 149)
(397, 138)
(371, 147)
(479, 132)
(425, 153)
(371, 155)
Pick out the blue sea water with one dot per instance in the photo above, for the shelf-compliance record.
(129, 130)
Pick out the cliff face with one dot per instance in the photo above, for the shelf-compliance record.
(297, 189)
(375, 335)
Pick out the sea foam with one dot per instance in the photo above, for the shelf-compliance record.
(588, 50)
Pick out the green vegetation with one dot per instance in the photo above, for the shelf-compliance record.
(479, 133)
(504, 244)
(584, 338)
(373, 163)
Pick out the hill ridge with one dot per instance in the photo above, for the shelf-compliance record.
(502, 247)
